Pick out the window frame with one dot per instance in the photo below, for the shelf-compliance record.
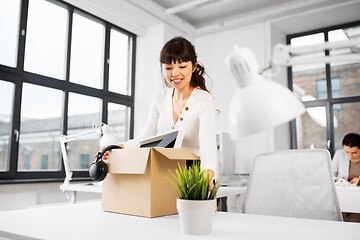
(330, 100)
(18, 76)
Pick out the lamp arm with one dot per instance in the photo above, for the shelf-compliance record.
(282, 53)
(69, 138)
(68, 173)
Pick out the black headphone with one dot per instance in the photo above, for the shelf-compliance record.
(98, 169)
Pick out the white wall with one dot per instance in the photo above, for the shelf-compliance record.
(281, 134)
(212, 51)
(147, 76)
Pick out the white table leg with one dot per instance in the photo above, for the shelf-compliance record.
(73, 197)
(239, 201)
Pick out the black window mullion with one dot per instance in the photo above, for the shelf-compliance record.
(64, 122)
(41, 80)
(67, 77)
(331, 128)
(292, 125)
(104, 115)
(15, 131)
(22, 35)
(132, 71)
(330, 132)
(327, 69)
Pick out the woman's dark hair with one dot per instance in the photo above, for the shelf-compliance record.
(351, 140)
(181, 50)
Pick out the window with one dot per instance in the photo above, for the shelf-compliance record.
(9, 32)
(346, 120)
(45, 51)
(84, 161)
(26, 160)
(87, 51)
(44, 162)
(40, 126)
(119, 118)
(321, 91)
(119, 56)
(330, 92)
(66, 71)
(6, 98)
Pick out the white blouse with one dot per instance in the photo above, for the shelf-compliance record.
(340, 164)
(196, 124)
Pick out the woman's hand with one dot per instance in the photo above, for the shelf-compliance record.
(354, 180)
(106, 154)
(340, 180)
(210, 173)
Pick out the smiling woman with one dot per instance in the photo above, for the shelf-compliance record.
(180, 52)
(185, 105)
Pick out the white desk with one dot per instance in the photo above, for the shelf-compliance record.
(238, 192)
(88, 221)
(349, 198)
(81, 187)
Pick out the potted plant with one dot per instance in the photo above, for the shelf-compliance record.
(196, 204)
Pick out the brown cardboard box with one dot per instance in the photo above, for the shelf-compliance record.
(136, 182)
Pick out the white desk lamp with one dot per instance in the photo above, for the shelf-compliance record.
(96, 130)
(106, 139)
(259, 104)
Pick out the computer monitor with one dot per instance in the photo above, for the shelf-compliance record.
(167, 140)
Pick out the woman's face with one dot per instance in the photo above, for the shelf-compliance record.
(353, 153)
(178, 74)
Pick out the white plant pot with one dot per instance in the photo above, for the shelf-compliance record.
(196, 216)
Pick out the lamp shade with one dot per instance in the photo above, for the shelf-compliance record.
(258, 104)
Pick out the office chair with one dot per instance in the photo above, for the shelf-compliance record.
(293, 183)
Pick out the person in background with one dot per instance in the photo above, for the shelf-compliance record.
(346, 166)
(185, 104)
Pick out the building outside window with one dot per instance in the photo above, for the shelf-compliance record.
(44, 161)
(330, 92)
(27, 162)
(321, 89)
(84, 161)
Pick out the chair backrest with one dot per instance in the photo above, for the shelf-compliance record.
(293, 183)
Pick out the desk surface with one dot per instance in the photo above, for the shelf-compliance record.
(88, 221)
(349, 198)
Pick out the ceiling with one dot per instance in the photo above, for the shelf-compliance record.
(200, 17)
(202, 13)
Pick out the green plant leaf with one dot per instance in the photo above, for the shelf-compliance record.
(174, 185)
(193, 183)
